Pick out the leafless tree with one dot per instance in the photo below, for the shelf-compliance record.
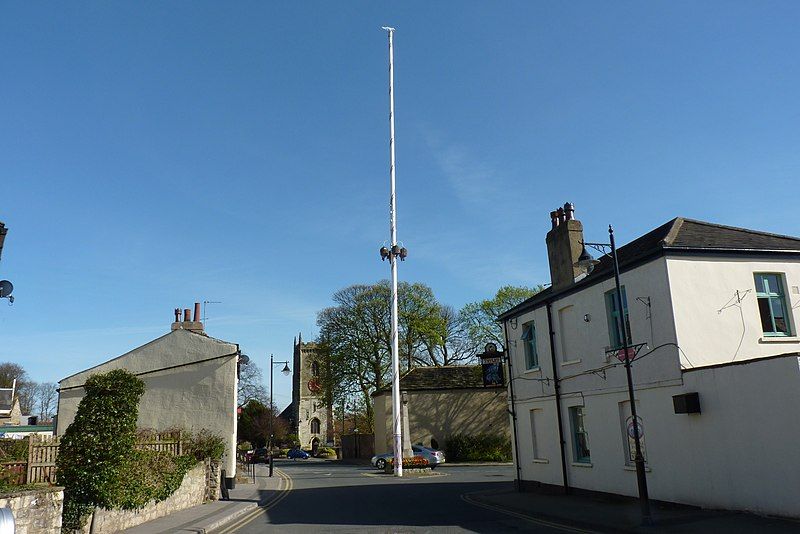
(46, 396)
(251, 385)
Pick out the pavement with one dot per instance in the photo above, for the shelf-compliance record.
(216, 516)
(598, 514)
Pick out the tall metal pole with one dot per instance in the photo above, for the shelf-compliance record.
(641, 479)
(271, 413)
(396, 414)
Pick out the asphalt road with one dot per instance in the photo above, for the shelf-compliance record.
(330, 497)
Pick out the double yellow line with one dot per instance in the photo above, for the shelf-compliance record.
(284, 488)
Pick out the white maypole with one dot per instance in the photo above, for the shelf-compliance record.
(393, 253)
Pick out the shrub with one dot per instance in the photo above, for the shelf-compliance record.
(149, 475)
(326, 451)
(414, 462)
(479, 447)
(245, 446)
(13, 450)
(203, 444)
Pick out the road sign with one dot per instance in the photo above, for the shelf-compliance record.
(631, 354)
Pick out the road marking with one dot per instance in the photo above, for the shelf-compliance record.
(284, 488)
(409, 477)
(566, 528)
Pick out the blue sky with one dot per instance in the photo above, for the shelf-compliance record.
(153, 155)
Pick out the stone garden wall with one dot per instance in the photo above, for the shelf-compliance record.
(193, 491)
(35, 511)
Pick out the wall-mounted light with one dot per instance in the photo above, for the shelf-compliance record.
(587, 318)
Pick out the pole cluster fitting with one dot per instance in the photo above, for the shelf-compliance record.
(395, 252)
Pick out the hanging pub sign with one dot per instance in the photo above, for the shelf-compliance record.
(492, 365)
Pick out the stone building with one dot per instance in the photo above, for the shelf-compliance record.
(440, 402)
(308, 415)
(10, 413)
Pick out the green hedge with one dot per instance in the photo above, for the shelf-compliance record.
(477, 448)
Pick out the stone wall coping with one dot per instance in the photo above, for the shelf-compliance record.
(30, 491)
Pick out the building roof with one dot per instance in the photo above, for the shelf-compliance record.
(187, 356)
(680, 235)
(442, 377)
(17, 429)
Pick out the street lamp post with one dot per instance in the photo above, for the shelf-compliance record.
(586, 261)
(285, 371)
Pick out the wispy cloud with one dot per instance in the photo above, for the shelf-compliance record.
(473, 182)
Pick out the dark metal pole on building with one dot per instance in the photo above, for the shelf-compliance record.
(641, 478)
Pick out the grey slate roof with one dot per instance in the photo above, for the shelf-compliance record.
(445, 377)
(679, 235)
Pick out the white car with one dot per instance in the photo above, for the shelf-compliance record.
(434, 457)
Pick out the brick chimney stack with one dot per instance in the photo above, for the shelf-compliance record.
(564, 245)
(188, 323)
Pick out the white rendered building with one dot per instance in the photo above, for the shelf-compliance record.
(190, 382)
(712, 311)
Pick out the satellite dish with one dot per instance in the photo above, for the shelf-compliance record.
(244, 359)
(6, 288)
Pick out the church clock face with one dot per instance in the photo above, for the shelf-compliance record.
(314, 385)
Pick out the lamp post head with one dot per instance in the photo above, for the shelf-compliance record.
(286, 371)
(586, 261)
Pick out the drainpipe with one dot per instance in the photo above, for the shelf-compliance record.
(518, 480)
(557, 386)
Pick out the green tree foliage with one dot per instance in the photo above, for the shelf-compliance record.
(480, 318)
(97, 446)
(254, 424)
(355, 336)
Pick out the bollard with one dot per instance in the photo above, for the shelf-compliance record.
(270, 464)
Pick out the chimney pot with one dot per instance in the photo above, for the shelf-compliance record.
(554, 218)
(569, 211)
(177, 315)
(196, 312)
(187, 315)
(560, 215)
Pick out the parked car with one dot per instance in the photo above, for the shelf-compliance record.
(260, 455)
(298, 453)
(434, 457)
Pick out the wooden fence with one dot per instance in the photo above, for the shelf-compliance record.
(43, 451)
(42, 454)
(169, 442)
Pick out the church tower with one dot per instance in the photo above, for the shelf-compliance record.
(311, 416)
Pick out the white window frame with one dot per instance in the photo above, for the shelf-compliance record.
(529, 350)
